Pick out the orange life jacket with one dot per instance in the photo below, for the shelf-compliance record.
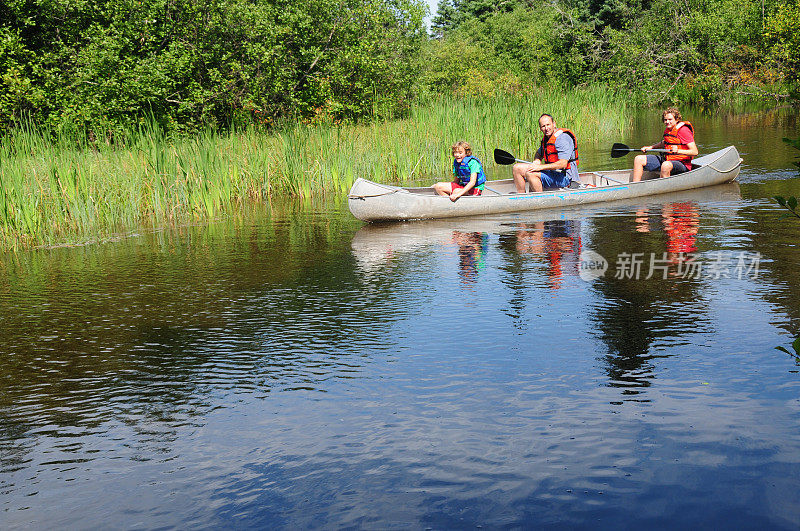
(671, 138)
(548, 147)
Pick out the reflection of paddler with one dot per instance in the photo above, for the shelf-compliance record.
(530, 238)
(642, 220)
(561, 238)
(472, 247)
(681, 223)
(551, 239)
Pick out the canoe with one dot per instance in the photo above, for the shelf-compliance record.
(377, 244)
(371, 201)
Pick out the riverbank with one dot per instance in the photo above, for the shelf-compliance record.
(61, 188)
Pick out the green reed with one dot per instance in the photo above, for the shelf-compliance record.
(58, 186)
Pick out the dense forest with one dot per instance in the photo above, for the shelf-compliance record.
(105, 66)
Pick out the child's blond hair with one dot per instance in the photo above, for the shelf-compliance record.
(463, 145)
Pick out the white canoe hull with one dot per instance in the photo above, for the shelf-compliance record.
(370, 201)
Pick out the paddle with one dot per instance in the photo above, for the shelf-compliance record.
(504, 157)
(620, 150)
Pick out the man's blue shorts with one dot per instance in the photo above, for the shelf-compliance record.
(654, 164)
(555, 178)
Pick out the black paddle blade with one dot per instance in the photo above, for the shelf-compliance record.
(620, 150)
(503, 157)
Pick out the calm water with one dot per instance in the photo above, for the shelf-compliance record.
(299, 369)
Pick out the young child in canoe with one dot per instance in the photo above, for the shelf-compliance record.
(468, 176)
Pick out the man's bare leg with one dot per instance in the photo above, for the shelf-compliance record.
(666, 169)
(518, 171)
(639, 163)
(535, 178)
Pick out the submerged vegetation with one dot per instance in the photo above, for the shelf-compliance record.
(795, 346)
(790, 204)
(73, 189)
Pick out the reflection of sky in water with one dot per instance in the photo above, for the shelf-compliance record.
(437, 374)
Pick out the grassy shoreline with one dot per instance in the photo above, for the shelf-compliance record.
(59, 188)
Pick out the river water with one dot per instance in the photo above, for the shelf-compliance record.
(296, 368)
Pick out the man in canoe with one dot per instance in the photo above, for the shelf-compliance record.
(555, 164)
(678, 140)
(468, 176)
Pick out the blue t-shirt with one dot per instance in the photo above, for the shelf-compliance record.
(566, 150)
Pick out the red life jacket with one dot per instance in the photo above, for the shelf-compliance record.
(548, 147)
(671, 138)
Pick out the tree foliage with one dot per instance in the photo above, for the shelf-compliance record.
(107, 66)
(678, 50)
(451, 14)
(782, 34)
(108, 63)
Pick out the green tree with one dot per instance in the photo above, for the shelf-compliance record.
(106, 64)
(450, 14)
(684, 51)
(782, 37)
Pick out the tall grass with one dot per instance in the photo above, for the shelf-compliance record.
(56, 186)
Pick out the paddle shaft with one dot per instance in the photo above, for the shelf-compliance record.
(504, 157)
(620, 150)
(639, 149)
(529, 162)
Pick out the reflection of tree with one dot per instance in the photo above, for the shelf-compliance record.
(13, 452)
(176, 321)
(775, 239)
(639, 311)
(514, 278)
(790, 204)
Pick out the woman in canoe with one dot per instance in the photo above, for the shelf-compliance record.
(468, 176)
(678, 139)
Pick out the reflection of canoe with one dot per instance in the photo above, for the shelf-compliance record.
(375, 244)
(370, 201)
